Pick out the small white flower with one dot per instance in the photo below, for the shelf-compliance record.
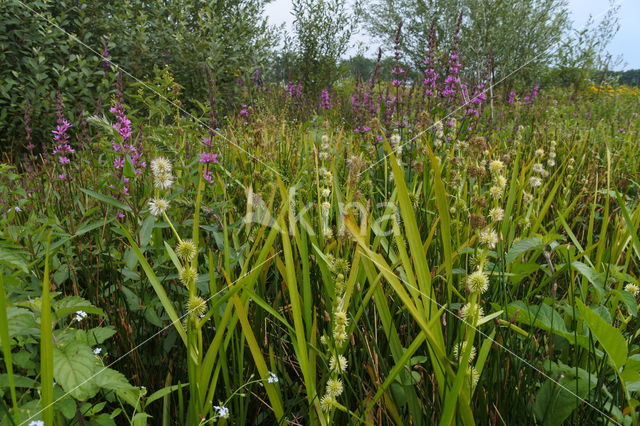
(97, 351)
(17, 209)
(496, 214)
(496, 166)
(339, 363)
(632, 288)
(221, 411)
(538, 168)
(80, 315)
(326, 192)
(158, 206)
(160, 166)
(36, 423)
(489, 237)
(163, 181)
(535, 181)
(272, 378)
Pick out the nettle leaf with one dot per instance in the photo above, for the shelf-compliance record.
(74, 366)
(72, 304)
(14, 259)
(521, 246)
(108, 378)
(95, 336)
(22, 322)
(609, 337)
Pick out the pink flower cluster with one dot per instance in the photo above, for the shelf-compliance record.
(61, 138)
(207, 158)
(294, 89)
(325, 101)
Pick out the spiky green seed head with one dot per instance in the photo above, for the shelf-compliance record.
(186, 250)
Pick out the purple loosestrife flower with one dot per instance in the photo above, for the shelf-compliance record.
(208, 158)
(325, 102)
(512, 97)
(105, 56)
(528, 100)
(61, 138)
(244, 113)
(294, 89)
(452, 79)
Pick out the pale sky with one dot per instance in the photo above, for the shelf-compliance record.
(625, 44)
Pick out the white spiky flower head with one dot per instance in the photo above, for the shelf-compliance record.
(471, 313)
(157, 206)
(334, 387)
(496, 166)
(338, 363)
(474, 376)
(478, 282)
(186, 250)
(632, 288)
(160, 166)
(460, 348)
(327, 402)
(496, 214)
(538, 168)
(496, 191)
(535, 181)
(163, 181)
(488, 237)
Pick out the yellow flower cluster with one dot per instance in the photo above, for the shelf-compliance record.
(622, 90)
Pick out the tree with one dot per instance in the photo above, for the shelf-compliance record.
(514, 35)
(322, 30)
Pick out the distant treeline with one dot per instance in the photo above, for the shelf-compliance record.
(628, 78)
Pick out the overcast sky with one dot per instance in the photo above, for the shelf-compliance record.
(625, 44)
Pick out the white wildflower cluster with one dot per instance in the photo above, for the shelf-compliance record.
(80, 315)
(337, 362)
(551, 161)
(632, 288)
(499, 181)
(539, 172)
(161, 170)
(471, 312)
(325, 149)
(162, 180)
(396, 145)
(460, 348)
(478, 281)
(325, 178)
(439, 134)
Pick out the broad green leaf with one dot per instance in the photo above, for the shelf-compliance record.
(108, 378)
(609, 337)
(556, 401)
(521, 246)
(591, 276)
(74, 365)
